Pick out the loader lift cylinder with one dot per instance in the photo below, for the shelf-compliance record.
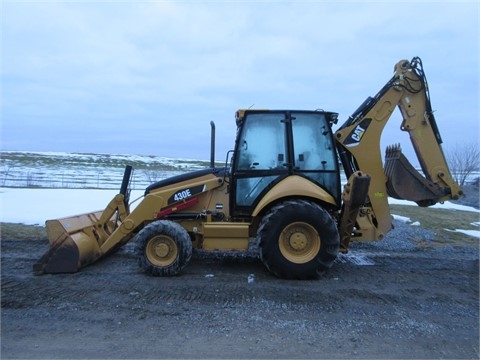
(125, 182)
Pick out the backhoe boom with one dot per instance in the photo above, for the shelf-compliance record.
(358, 142)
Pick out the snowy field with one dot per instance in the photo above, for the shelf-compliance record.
(87, 171)
(36, 186)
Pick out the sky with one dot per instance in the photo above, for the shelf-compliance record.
(147, 77)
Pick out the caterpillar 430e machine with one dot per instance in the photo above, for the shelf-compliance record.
(282, 186)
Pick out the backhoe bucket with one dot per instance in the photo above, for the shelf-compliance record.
(406, 183)
(74, 244)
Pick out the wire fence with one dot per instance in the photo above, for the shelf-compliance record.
(80, 178)
(86, 177)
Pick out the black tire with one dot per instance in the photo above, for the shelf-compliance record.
(298, 239)
(164, 248)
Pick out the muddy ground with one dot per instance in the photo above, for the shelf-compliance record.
(393, 299)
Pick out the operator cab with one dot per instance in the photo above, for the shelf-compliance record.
(274, 144)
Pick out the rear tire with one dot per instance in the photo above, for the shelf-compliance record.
(164, 248)
(298, 239)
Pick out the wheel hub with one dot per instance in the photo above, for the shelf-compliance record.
(161, 250)
(299, 242)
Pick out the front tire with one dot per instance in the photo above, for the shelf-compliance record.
(298, 239)
(164, 248)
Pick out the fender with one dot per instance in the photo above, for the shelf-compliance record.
(303, 188)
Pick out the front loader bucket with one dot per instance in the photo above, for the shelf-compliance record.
(80, 240)
(74, 244)
(404, 181)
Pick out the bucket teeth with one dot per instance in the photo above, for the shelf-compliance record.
(393, 151)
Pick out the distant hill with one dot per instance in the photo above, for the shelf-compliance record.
(82, 170)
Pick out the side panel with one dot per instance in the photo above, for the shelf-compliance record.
(210, 190)
(225, 236)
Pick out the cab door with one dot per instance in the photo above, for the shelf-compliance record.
(314, 152)
(261, 158)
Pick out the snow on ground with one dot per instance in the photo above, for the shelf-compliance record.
(474, 233)
(406, 220)
(34, 206)
(403, 219)
(447, 205)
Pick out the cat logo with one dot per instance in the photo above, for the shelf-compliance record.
(357, 133)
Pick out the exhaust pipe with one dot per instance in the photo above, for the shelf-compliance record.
(212, 145)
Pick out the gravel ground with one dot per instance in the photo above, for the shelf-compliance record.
(389, 299)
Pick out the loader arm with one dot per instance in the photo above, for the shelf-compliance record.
(78, 241)
(358, 143)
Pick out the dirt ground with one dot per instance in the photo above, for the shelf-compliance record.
(392, 299)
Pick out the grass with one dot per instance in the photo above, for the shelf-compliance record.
(22, 232)
(440, 221)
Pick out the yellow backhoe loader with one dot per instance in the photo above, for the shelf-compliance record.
(281, 185)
